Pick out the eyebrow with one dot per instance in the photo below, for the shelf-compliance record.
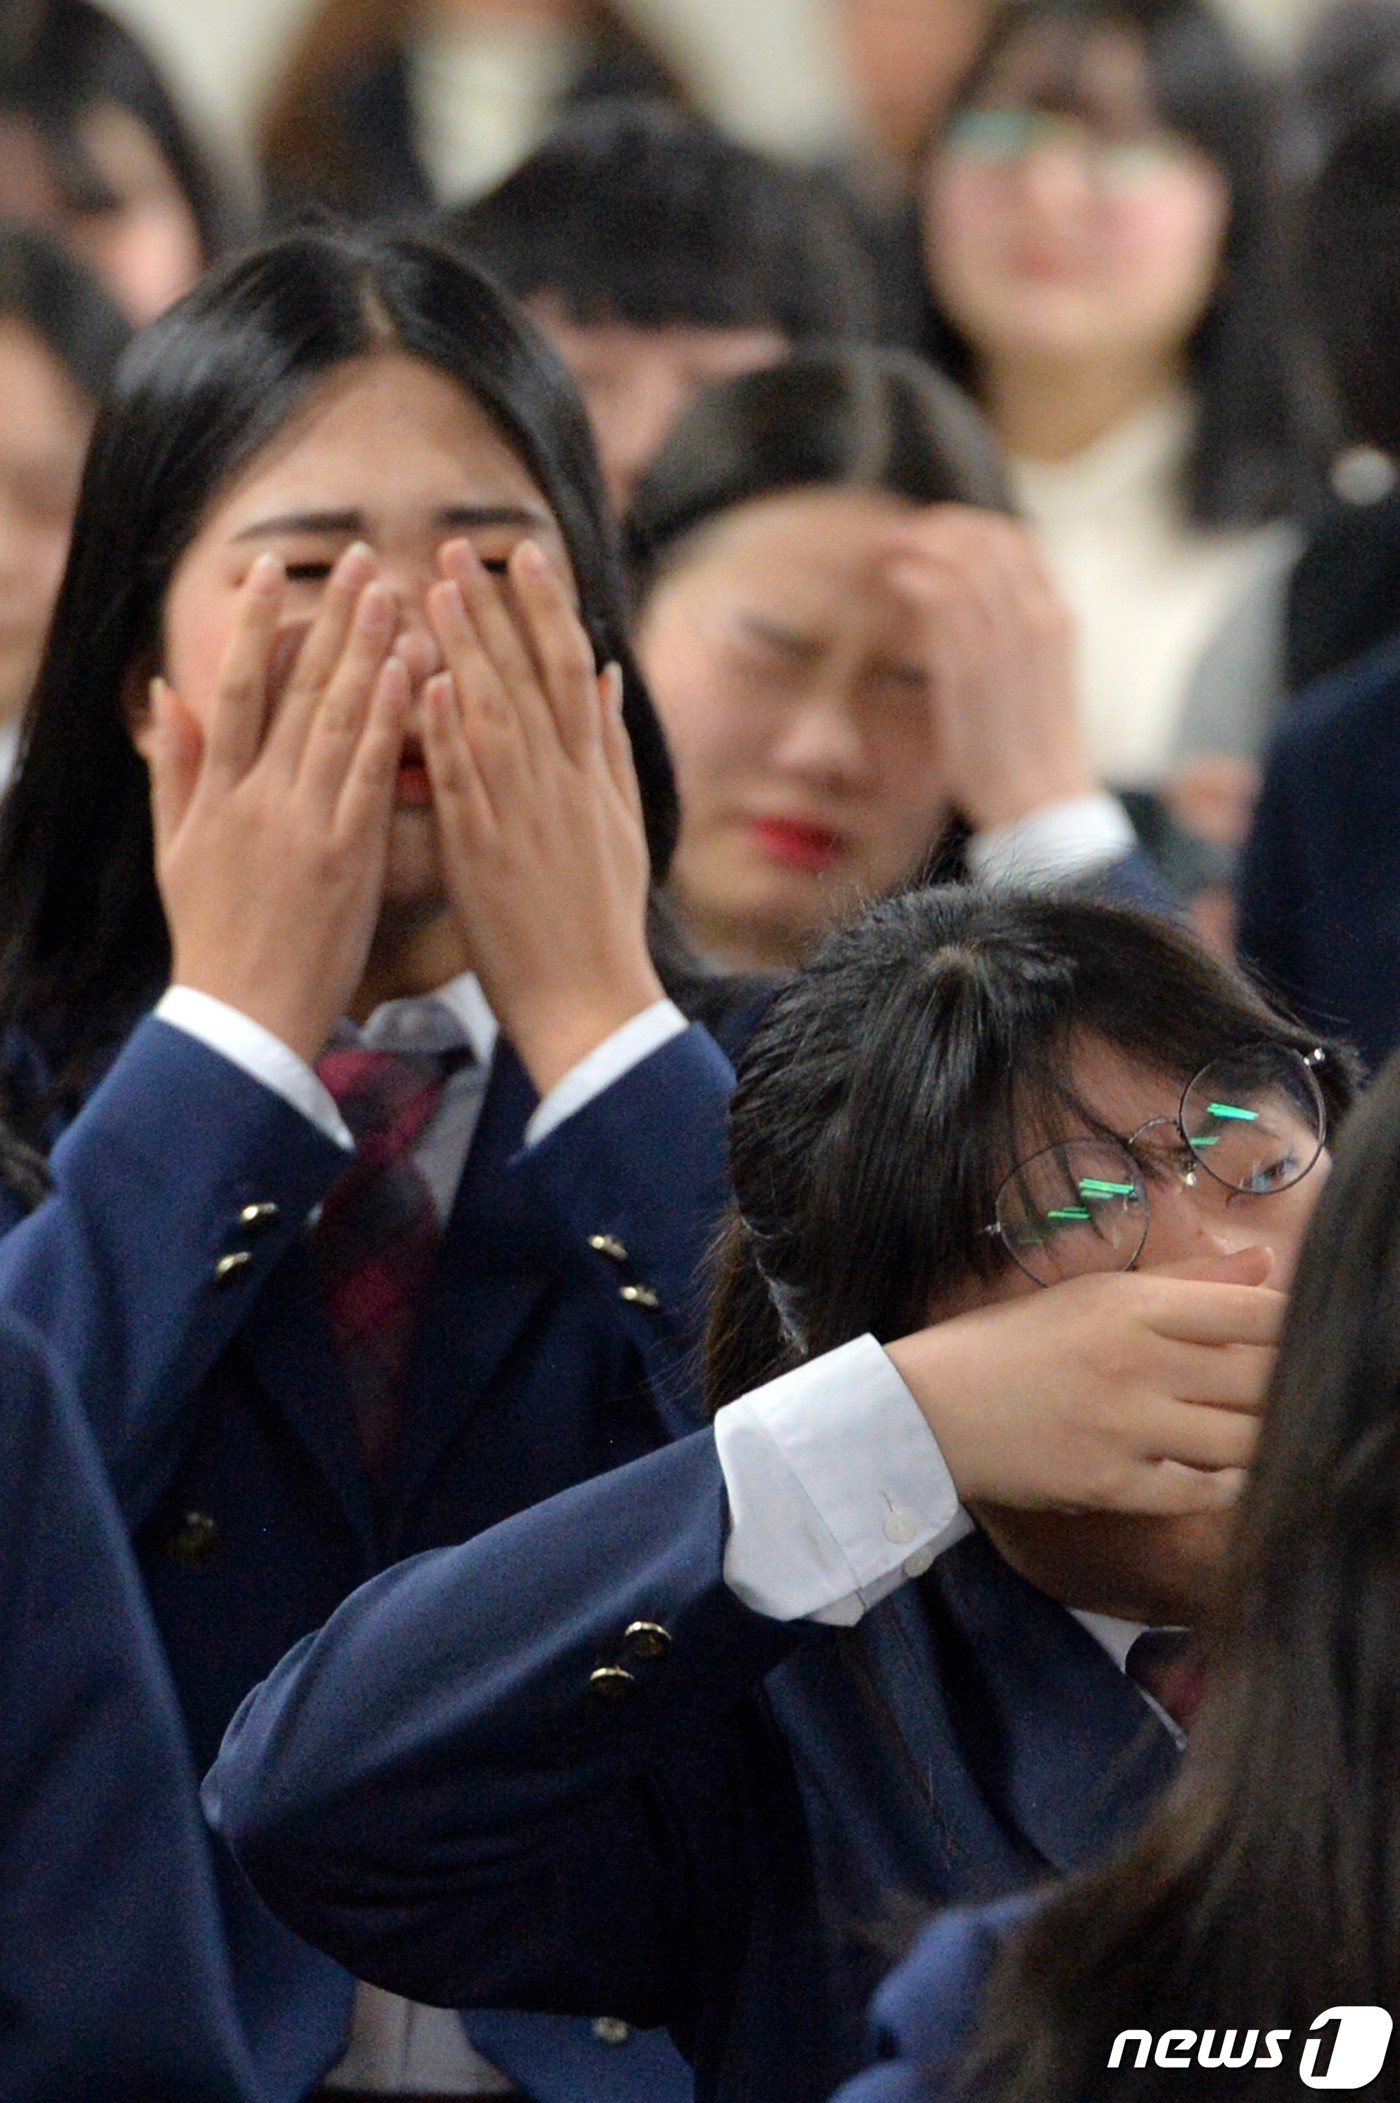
(760, 629)
(457, 518)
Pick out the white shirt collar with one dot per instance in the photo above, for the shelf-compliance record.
(451, 1015)
(1115, 1636)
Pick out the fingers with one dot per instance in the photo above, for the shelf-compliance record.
(561, 649)
(235, 733)
(1198, 1437)
(353, 608)
(1199, 1312)
(367, 793)
(459, 791)
(480, 690)
(514, 687)
(174, 754)
(1168, 1490)
(617, 746)
(328, 739)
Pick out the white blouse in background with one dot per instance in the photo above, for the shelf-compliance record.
(483, 96)
(1148, 590)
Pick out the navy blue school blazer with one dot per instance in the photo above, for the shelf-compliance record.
(169, 1269)
(114, 1984)
(1320, 880)
(564, 1767)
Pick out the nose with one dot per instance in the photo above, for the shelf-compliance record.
(1190, 1218)
(1056, 179)
(632, 426)
(821, 740)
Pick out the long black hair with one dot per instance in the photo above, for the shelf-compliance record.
(847, 417)
(892, 1085)
(1266, 1887)
(1256, 453)
(83, 940)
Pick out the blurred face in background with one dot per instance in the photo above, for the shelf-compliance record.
(45, 422)
(137, 231)
(902, 60)
(1064, 223)
(792, 682)
(637, 383)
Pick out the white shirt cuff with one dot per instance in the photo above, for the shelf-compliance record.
(837, 1490)
(607, 1062)
(1061, 840)
(246, 1044)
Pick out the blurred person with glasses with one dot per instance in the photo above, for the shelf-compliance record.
(1101, 236)
(875, 1637)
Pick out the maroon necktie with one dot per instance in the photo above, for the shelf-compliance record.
(1170, 1665)
(377, 1241)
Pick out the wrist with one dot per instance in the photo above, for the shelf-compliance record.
(553, 1037)
(282, 1016)
(1000, 804)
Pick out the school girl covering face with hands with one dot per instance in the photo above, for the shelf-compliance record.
(343, 582)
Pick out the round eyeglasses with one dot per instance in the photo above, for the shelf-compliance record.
(1004, 139)
(1253, 1120)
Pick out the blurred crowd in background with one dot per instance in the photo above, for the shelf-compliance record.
(997, 419)
(1103, 239)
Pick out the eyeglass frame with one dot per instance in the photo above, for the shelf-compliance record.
(1158, 147)
(1309, 1061)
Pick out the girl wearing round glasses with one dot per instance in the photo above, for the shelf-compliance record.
(865, 1641)
(1101, 251)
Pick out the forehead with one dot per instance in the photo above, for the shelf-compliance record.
(1098, 73)
(805, 549)
(1120, 1091)
(386, 436)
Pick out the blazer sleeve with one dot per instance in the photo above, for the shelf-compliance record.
(175, 1190)
(516, 1773)
(115, 1977)
(1133, 880)
(639, 1178)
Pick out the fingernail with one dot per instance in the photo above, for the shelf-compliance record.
(356, 564)
(612, 672)
(530, 559)
(155, 690)
(265, 575)
(377, 608)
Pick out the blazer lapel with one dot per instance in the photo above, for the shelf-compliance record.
(500, 1255)
(288, 1344)
(1061, 1740)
